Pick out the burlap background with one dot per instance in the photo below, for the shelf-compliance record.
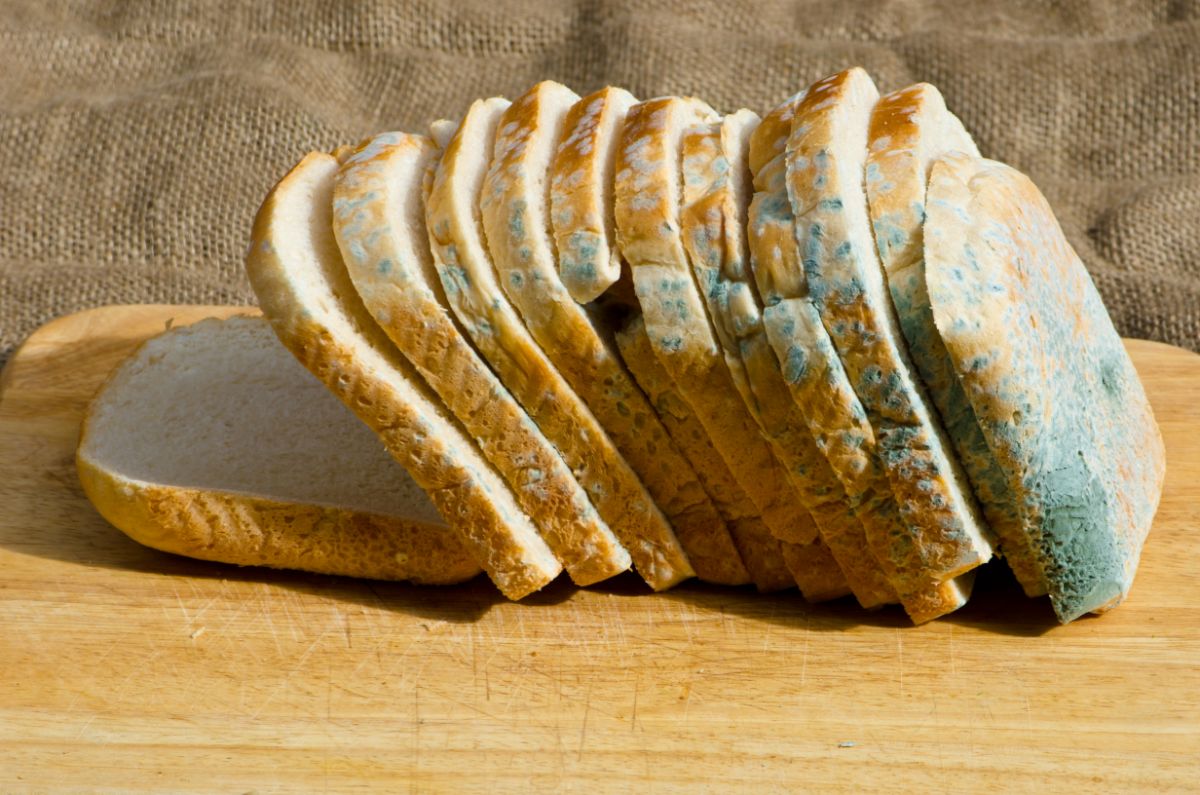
(137, 139)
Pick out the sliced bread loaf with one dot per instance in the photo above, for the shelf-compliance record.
(714, 220)
(483, 309)
(813, 372)
(302, 285)
(378, 218)
(186, 449)
(1047, 376)
(761, 552)
(910, 129)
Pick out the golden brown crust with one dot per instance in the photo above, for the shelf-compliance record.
(255, 531)
(370, 223)
(360, 366)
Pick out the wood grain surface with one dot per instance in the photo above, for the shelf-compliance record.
(125, 669)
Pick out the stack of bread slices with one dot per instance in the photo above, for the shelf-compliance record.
(831, 347)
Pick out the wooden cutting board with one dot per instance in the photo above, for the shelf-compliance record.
(126, 669)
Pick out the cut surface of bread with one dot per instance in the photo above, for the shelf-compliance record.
(211, 441)
(581, 178)
(647, 197)
(1049, 380)
(910, 129)
(378, 218)
(757, 548)
(305, 292)
(499, 334)
(714, 220)
(518, 230)
(826, 160)
(813, 373)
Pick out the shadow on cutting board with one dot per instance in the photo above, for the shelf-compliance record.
(997, 604)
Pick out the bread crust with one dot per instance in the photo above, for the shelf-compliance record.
(254, 531)
(396, 285)
(336, 339)
(1049, 380)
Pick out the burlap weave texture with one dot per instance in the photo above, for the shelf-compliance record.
(137, 139)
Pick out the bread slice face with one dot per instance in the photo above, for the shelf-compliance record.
(1047, 376)
(483, 309)
(716, 231)
(910, 129)
(647, 198)
(183, 449)
(580, 341)
(379, 221)
(305, 292)
(761, 553)
(810, 367)
(581, 178)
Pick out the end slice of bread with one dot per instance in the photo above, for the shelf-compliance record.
(305, 292)
(211, 441)
(1048, 377)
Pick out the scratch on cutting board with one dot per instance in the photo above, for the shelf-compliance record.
(637, 683)
(804, 653)
(900, 657)
(587, 710)
(953, 661)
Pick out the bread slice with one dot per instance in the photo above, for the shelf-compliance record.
(183, 449)
(818, 383)
(826, 158)
(579, 339)
(379, 221)
(714, 220)
(647, 196)
(483, 309)
(910, 129)
(581, 178)
(302, 285)
(1047, 376)
(761, 552)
